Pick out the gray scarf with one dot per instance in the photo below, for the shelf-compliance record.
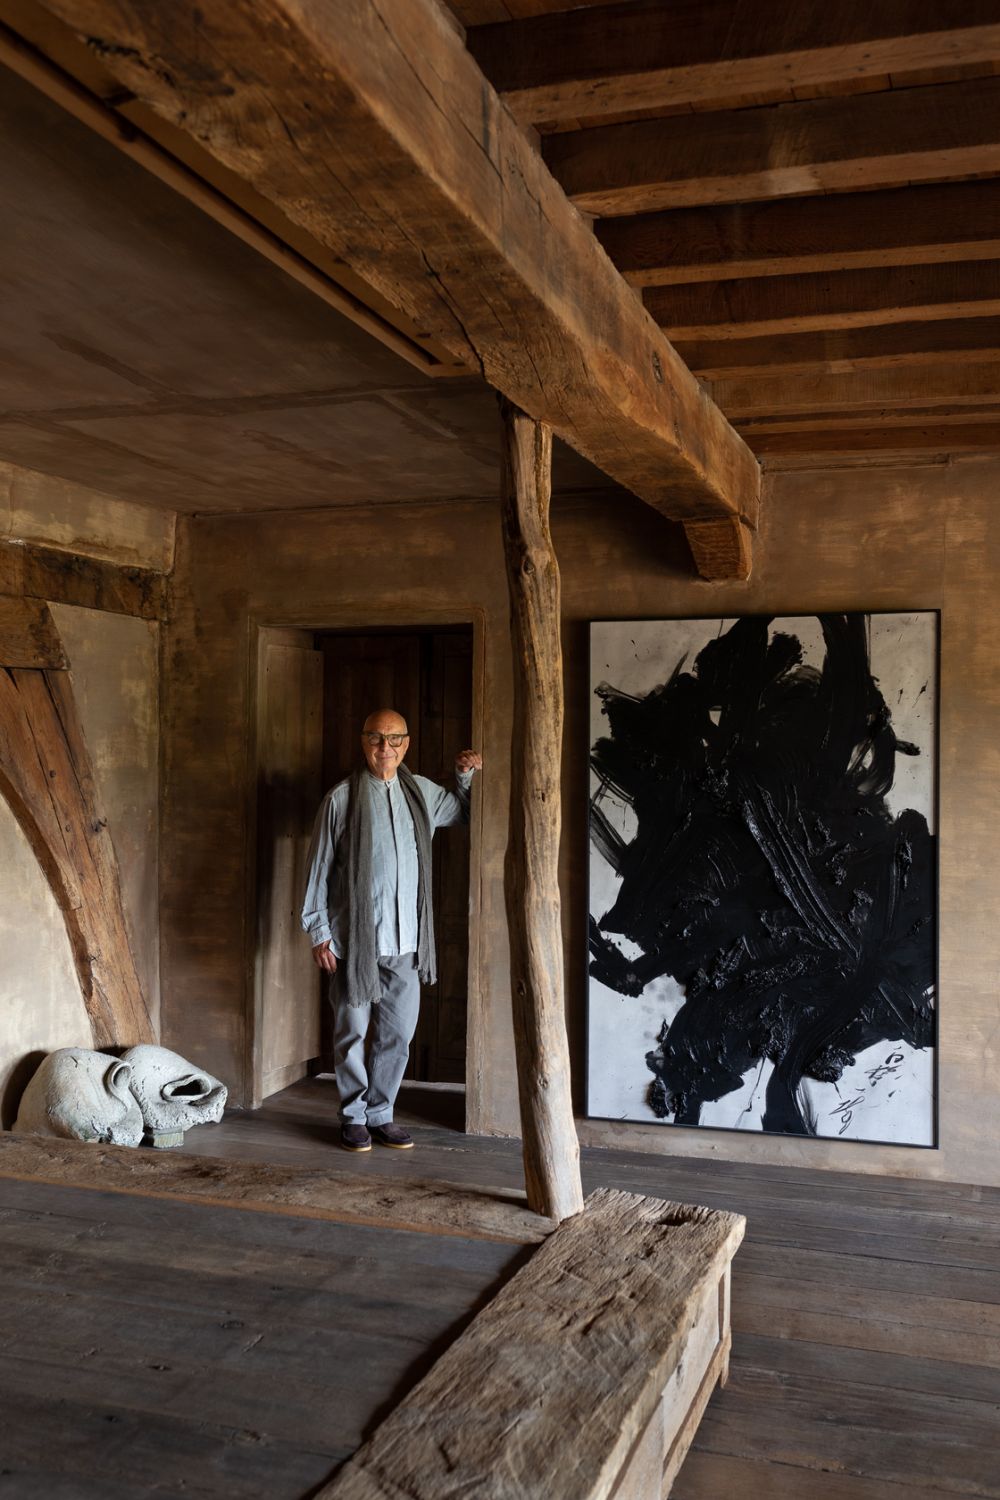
(360, 968)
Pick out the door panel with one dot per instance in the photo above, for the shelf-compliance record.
(290, 747)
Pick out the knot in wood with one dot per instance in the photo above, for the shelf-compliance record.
(527, 566)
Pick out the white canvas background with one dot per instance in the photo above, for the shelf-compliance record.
(888, 1095)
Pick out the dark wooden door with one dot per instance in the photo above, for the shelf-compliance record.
(427, 677)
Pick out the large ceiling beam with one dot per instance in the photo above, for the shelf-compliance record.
(618, 59)
(370, 125)
(842, 299)
(966, 341)
(825, 145)
(906, 226)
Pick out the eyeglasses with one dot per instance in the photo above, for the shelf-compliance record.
(395, 740)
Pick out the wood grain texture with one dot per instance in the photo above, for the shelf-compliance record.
(47, 778)
(531, 871)
(721, 549)
(937, 387)
(321, 1193)
(28, 636)
(37, 572)
(644, 55)
(824, 145)
(842, 299)
(922, 225)
(549, 1389)
(374, 129)
(964, 341)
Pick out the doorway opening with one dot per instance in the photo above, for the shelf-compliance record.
(315, 688)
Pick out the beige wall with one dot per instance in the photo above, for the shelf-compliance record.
(876, 539)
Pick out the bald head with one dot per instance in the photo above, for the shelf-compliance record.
(382, 758)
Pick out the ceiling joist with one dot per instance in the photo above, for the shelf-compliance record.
(842, 299)
(965, 341)
(907, 226)
(826, 145)
(619, 59)
(371, 126)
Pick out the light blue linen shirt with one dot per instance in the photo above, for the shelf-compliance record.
(394, 861)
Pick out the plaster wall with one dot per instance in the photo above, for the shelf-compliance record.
(114, 669)
(921, 537)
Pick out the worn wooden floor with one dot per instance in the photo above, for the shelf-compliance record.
(166, 1348)
(866, 1311)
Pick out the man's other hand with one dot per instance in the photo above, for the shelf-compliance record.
(324, 958)
(468, 760)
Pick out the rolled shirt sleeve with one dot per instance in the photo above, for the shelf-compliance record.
(446, 808)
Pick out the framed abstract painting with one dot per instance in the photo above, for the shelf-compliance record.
(763, 874)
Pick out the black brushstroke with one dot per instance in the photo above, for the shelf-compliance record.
(766, 874)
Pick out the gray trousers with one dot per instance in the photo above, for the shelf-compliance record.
(368, 1093)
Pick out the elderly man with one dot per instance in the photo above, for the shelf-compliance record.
(369, 917)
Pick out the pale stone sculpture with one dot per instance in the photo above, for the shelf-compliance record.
(82, 1095)
(170, 1092)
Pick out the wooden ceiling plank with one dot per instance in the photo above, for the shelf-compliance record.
(924, 225)
(840, 299)
(967, 340)
(825, 145)
(743, 397)
(375, 130)
(976, 437)
(647, 55)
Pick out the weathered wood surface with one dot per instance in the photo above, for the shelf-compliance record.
(906, 226)
(721, 549)
(616, 59)
(910, 1263)
(919, 386)
(374, 129)
(820, 145)
(305, 1192)
(177, 1349)
(547, 1392)
(531, 870)
(963, 341)
(28, 636)
(47, 778)
(841, 299)
(45, 573)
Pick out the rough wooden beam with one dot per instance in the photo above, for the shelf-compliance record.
(823, 145)
(721, 549)
(906, 226)
(531, 874)
(968, 340)
(265, 1187)
(370, 125)
(28, 636)
(47, 779)
(859, 390)
(550, 1389)
(841, 299)
(643, 55)
(67, 578)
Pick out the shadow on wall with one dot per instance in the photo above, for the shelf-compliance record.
(17, 1081)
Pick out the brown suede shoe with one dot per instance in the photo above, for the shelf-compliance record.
(355, 1138)
(392, 1135)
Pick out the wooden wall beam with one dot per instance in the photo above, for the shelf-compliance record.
(968, 340)
(531, 874)
(372, 127)
(839, 299)
(823, 145)
(47, 780)
(67, 578)
(906, 226)
(617, 59)
(28, 636)
(859, 390)
(887, 436)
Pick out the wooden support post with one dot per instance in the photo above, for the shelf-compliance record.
(531, 876)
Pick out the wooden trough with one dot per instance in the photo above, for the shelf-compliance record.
(584, 1378)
